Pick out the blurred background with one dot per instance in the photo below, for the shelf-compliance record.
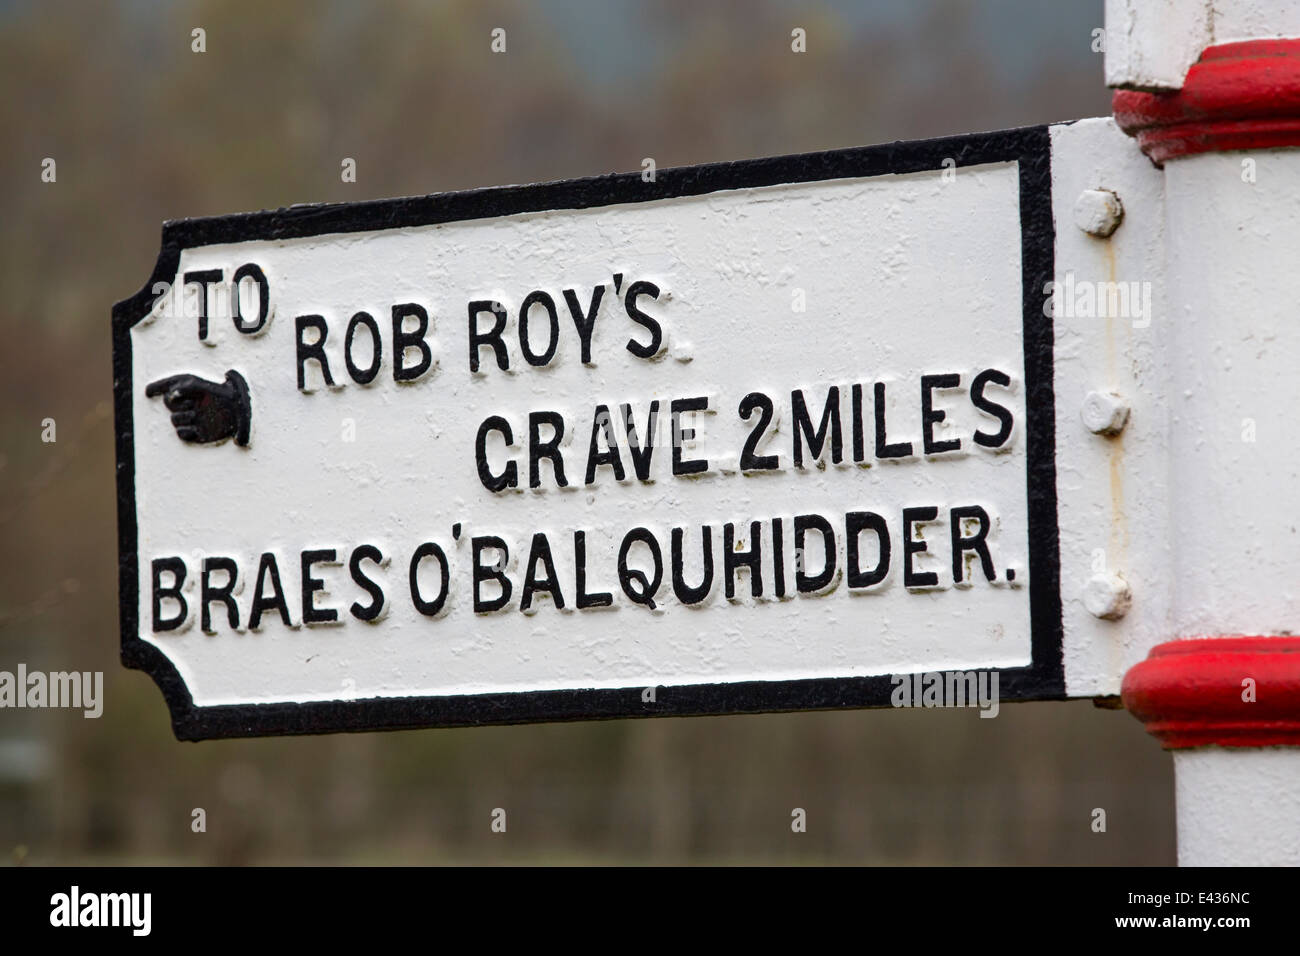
(144, 129)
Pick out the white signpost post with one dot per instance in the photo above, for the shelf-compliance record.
(875, 426)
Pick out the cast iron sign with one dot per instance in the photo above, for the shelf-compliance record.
(765, 435)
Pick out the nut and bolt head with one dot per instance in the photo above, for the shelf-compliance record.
(1098, 212)
(1104, 413)
(1107, 596)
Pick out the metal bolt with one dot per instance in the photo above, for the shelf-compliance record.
(1098, 212)
(1107, 596)
(1104, 413)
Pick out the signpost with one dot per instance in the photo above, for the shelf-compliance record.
(889, 425)
(755, 436)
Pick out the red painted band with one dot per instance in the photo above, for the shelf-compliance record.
(1194, 693)
(1236, 96)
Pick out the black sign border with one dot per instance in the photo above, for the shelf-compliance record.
(1043, 679)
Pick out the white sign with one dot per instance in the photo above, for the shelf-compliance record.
(768, 435)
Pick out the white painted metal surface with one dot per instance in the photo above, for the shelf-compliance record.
(809, 286)
(1233, 290)
(1111, 329)
(1151, 44)
(1238, 807)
